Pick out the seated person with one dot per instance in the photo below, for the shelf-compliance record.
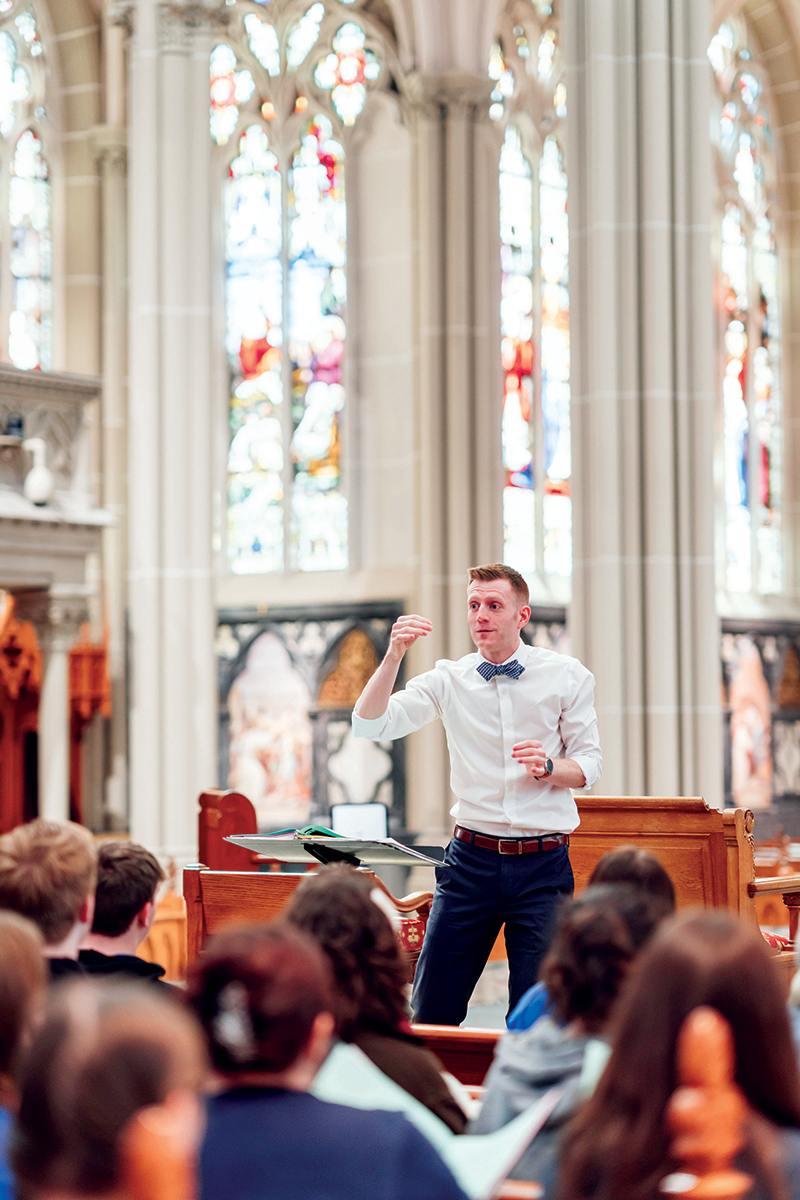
(619, 1144)
(596, 940)
(107, 1052)
(629, 865)
(124, 910)
(23, 980)
(263, 994)
(370, 972)
(48, 872)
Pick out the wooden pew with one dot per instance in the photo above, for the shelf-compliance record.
(707, 852)
(466, 1053)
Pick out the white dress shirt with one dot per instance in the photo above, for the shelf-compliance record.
(551, 702)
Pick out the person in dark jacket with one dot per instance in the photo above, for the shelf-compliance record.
(595, 942)
(128, 877)
(263, 995)
(336, 907)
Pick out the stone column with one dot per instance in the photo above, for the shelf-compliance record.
(57, 618)
(110, 142)
(641, 320)
(171, 412)
(456, 157)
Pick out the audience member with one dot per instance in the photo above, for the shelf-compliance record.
(630, 865)
(619, 1145)
(264, 994)
(370, 973)
(23, 979)
(124, 910)
(48, 872)
(107, 1052)
(596, 938)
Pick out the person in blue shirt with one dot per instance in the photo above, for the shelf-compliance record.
(264, 995)
(629, 865)
(23, 979)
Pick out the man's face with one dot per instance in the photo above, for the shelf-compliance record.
(495, 615)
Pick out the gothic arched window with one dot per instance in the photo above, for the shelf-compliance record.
(529, 98)
(285, 88)
(26, 288)
(749, 318)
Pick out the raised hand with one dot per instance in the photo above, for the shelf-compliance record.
(532, 756)
(405, 631)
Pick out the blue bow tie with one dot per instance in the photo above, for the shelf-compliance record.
(488, 670)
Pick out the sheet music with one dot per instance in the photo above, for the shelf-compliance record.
(292, 849)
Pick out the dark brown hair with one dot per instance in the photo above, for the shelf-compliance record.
(127, 878)
(501, 571)
(23, 980)
(257, 991)
(369, 968)
(596, 938)
(617, 1148)
(48, 869)
(638, 868)
(105, 1051)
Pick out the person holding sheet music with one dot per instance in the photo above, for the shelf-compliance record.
(522, 734)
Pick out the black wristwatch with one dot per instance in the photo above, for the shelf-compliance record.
(548, 768)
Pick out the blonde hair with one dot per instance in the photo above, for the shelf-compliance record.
(501, 571)
(47, 871)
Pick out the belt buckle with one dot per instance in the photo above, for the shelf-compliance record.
(509, 842)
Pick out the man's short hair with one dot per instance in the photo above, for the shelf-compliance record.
(501, 571)
(47, 871)
(127, 878)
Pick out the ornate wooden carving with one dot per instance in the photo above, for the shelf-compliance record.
(706, 1114)
(20, 659)
(89, 692)
(20, 684)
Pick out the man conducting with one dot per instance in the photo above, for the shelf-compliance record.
(522, 732)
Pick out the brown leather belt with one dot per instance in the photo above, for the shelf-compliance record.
(535, 845)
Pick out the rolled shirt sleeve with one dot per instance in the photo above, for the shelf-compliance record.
(578, 726)
(419, 703)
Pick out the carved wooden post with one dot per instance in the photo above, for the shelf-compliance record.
(707, 1112)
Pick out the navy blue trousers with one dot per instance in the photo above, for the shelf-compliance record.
(477, 892)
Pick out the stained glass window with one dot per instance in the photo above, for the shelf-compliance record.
(284, 90)
(749, 314)
(26, 293)
(534, 311)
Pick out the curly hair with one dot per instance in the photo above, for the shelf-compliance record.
(597, 937)
(369, 967)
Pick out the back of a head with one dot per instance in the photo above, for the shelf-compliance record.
(104, 1052)
(638, 868)
(258, 990)
(618, 1144)
(128, 876)
(334, 906)
(23, 980)
(596, 939)
(47, 871)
